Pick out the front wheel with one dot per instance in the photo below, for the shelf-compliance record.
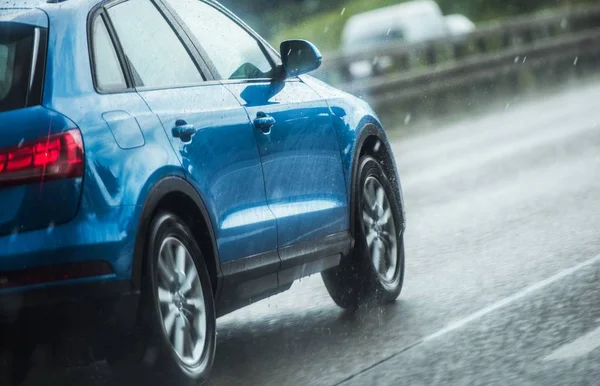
(375, 269)
(174, 342)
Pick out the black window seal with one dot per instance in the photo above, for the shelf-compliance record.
(35, 92)
(95, 12)
(123, 62)
(271, 53)
(101, 9)
(196, 59)
(34, 60)
(187, 39)
(262, 44)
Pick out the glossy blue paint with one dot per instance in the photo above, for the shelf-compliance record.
(300, 158)
(116, 181)
(125, 129)
(222, 162)
(350, 117)
(281, 181)
(103, 233)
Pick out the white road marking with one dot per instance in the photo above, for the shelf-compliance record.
(483, 312)
(578, 348)
(511, 299)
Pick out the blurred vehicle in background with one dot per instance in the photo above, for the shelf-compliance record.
(459, 26)
(411, 22)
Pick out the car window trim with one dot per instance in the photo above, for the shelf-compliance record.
(178, 27)
(234, 19)
(196, 58)
(262, 44)
(272, 54)
(269, 51)
(96, 12)
(35, 92)
(194, 44)
(190, 52)
(119, 49)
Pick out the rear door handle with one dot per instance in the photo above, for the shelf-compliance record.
(264, 122)
(183, 131)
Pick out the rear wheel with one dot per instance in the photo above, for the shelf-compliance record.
(174, 342)
(375, 269)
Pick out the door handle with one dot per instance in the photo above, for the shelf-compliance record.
(183, 131)
(264, 122)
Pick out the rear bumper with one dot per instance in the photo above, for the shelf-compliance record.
(105, 234)
(52, 289)
(88, 312)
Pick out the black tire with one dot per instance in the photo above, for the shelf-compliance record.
(357, 281)
(149, 357)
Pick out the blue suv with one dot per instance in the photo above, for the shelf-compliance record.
(162, 165)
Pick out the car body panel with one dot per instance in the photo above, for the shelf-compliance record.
(125, 128)
(351, 116)
(116, 180)
(277, 205)
(222, 162)
(300, 159)
(107, 233)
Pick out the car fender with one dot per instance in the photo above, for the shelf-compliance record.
(355, 122)
(156, 193)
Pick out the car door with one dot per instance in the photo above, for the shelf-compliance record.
(208, 130)
(297, 142)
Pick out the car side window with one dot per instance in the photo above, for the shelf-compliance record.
(234, 52)
(107, 69)
(153, 50)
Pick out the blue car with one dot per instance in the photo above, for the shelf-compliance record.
(162, 165)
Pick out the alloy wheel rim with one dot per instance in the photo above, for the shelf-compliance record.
(380, 229)
(181, 301)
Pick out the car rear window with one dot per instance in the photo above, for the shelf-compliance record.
(17, 45)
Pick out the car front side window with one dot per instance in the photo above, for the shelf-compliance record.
(153, 50)
(234, 52)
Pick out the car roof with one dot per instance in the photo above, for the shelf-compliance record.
(51, 7)
(19, 4)
(56, 6)
(40, 3)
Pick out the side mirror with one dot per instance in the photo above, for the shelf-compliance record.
(299, 57)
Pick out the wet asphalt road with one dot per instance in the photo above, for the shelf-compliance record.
(502, 276)
(495, 205)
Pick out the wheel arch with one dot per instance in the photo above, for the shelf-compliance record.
(176, 195)
(373, 141)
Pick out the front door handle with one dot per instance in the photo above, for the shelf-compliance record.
(264, 122)
(183, 131)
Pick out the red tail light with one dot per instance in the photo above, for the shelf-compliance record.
(48, 158)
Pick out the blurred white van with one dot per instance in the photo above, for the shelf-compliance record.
(459, 25)
(410, 22)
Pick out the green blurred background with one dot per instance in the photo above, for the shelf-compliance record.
(321, 21)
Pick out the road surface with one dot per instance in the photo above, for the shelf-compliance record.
(502, 275)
